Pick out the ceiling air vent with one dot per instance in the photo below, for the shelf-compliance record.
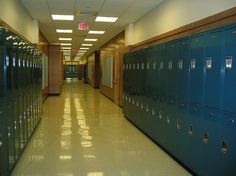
(86, 13)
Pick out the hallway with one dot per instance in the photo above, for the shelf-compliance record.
(82, 133)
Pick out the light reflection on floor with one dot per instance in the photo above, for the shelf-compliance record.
(83, 133)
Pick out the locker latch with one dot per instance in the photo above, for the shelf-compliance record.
(229, 62)
(208, 63)
(193, 63)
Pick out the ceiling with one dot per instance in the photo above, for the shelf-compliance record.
(128, 11)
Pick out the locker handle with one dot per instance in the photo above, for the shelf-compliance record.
(232, 120)
(162, 99)
(182, 104)
(212, 114)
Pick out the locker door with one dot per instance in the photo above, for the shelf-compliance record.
(227, 145)
(135, 84)
(212, 116)
(130, 88)
(171, 54)
(3, 119)
(35, 115)
(153, 90)
(213, 59)
(21, 95)
(9, 101)
(147, 118)
(194, 154)
(228, 138)
(25, 94)
(162, 107)
(229, 103)
(126, 57)
(139, 86)
(15, 98)
(182, 89)
(157, 111)
(40, 86)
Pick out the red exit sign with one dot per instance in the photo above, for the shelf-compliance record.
(83, 26)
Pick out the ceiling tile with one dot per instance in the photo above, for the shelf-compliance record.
(128, 11)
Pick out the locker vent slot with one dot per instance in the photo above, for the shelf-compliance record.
(224, 147)
(205, 138)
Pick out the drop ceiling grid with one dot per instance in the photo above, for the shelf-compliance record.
(64, 7)
(89, 5)
(128, 11)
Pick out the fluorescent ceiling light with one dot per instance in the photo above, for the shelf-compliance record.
(64, 31)
(106, 19)
(63, 17)
(96, 32)
(65, 44)
(82, 51)
(66, 39)
(90, 40)
(84, 48)
(86, 44)
(66, 48)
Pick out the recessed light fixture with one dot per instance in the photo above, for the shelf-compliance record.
(84, 48)
(64, 31)
(90, 40)
(86, 44)
(96, 32)
(65, 44)
(65, 39)
(106, 19)
(63, 17)
(82, 51)
(66, 48)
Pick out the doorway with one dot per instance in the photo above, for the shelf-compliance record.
(71, 71)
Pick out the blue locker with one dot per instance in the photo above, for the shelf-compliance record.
(9, 101)
(213, 60)
(152, 73)
(133, 89)
(149, 95)
(182, 88)
(171, 61)
(196, 86)
(184, 98)
(15, 97)
(227, 145)
(126, 84)
(162, 113)
(212, 115)
(156, 109)
(229, 103)
(21, 99)
(144, 105)
(3, 120)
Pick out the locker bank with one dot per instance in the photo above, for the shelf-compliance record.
(117, 88)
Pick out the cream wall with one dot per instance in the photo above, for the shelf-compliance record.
(172, 14)
(14, 14)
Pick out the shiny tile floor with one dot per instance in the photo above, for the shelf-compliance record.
(82, 133)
